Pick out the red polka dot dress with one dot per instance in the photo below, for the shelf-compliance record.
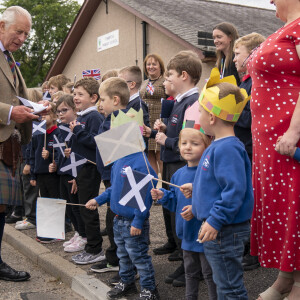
(275, 72)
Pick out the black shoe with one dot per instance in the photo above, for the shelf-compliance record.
(116, 279)
(175, 256)
(121, 289)
(12, 219)
(10, 274)
(178, 272)
(250, 262)
(149, 295)
(179, 281)
(103, 267)
(165, 249)
(104, 232)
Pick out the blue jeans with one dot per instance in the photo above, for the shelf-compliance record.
(133, 251)
(225, 255)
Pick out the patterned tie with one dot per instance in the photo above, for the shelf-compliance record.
(12, 64)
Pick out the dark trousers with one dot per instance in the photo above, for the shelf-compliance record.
(111, 251)
(88, 182)
(2, 223)
(169, 217)
(72, 211)
(48, 185)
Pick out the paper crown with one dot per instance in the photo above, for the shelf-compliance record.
(129, 116)
(192, 117)
(225, 108)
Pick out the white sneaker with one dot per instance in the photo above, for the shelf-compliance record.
(19, 222)
(24, 225)
(72, 240)
(77, 245)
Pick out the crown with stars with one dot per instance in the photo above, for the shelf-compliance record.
(226, 108)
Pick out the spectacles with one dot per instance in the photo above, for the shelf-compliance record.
(63, 111)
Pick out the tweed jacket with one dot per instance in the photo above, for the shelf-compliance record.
(8, 93)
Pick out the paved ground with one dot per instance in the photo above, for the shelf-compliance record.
(256, 281)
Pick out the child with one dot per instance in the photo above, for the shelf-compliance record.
(66, 112)
(40, 159)
(68, 88)
(131, 231)
(192, 143)
(56, 83)
(222, 190)
(184, 71)
(88, 179)
(55, 96)
(114, 96)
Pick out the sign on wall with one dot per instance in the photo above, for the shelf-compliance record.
(108, 40)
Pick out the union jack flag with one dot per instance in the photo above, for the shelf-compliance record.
(95, 73)
(150, 88)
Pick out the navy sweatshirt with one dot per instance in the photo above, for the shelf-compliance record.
(83, 142)
(38, 165)
(170, 153)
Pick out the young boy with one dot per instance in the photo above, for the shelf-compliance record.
(88, 179)
(114, 96)
(184, 71)
(243, 47)
(56, 83)
(222, 190)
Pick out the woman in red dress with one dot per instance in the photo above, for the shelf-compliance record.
(275, 107)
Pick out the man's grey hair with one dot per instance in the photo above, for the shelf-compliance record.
(10, 14)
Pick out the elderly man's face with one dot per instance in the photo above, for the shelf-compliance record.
(14, 35)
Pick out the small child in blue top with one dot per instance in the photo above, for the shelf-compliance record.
(131, 232)
(192, 143)
(222, 193)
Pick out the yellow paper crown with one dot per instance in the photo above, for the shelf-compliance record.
(129, 116)
(225, 108)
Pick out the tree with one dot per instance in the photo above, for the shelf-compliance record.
(51, 21)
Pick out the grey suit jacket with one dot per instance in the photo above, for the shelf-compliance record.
(8, 93)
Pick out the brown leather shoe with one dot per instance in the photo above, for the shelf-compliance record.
(9, 274)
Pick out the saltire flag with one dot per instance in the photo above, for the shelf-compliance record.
(59, 145)
(166, 107)
(135, 188)
(119, 142)
(95, 73)
(38, 128)
(47, 96)
(150, 88)
(73, 164)
(66, 132)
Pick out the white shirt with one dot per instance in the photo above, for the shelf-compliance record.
(186, 94)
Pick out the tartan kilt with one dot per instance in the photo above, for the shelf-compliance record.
(10, 187)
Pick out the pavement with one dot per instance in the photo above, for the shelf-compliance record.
(92, 286)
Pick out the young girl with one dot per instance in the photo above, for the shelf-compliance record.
(66, 113)
(224, 35)
(192, 144)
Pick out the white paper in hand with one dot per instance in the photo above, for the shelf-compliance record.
(37, 108)
(50, 218)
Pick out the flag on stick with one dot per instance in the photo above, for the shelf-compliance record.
(166, 108)
(119, 142)
(66, 132)
(59, 145)
(50, 218)
(95, 73)
(38, 128)
(73, 164)
(135, 189)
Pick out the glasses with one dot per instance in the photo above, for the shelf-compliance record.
(63, 111)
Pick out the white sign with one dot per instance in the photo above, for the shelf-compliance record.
(108, 40)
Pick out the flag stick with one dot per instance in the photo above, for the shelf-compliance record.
(45, 140)
(53, 155)
(169, 183)
(91, 162)
(66, 144)
(70, 203)
(146, 162)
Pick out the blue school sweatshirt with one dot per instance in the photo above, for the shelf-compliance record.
(170, 152)
(38, 165)
(83, 141)
(297, 154)
(174, 201)
(113, 193)
(222, 189)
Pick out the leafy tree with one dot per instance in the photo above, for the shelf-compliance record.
(51, 21)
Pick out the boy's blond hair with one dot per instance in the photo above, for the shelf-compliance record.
(57, 95)
(116, 86)
(205, 138)
(69, 86)
(91, 85)
(250, 41)
(134, 74)
(58, 81)
(45, 85)
(35, 94)
(109, 74)
(189, 62)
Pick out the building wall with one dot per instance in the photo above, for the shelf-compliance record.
(130, 48)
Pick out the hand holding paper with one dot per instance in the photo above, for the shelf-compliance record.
(37, 108)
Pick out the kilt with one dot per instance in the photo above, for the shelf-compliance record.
(10, 187)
